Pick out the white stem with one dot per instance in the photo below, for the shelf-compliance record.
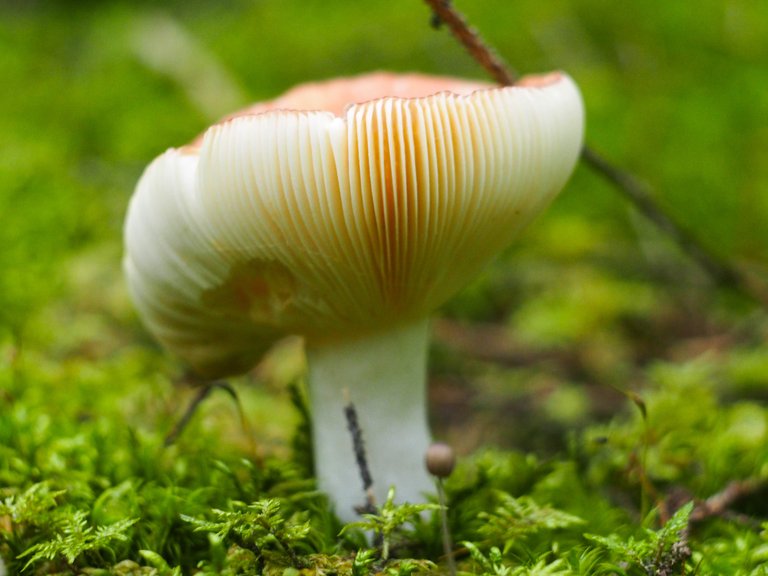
(385, 374)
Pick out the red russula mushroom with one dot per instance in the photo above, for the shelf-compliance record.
(345, 211)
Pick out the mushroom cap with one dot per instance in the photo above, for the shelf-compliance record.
(340, 208)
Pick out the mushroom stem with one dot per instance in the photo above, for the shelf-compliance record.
(385, 375)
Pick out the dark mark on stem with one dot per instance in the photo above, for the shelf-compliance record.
(358, 445)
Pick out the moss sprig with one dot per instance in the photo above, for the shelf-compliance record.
(258, 527)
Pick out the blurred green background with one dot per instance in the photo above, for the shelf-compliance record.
(675, 91)
(592, 315)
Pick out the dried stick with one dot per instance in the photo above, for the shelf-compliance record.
(641, 197)
(632, 188)
(361, 459)
(203, 393)
(719, 504)
(471, 40)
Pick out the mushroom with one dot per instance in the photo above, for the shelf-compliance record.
(345, 211)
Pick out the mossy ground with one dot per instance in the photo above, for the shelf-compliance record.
(593, 381)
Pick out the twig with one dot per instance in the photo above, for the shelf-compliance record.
(639, 194)
(471, 40)
(182, 423)
(632, 188)
(720, 503)
(358, 445)
(201, 395)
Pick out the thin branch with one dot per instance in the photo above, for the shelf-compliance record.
(631, 187)
(719, 504)
(639, 193)
(361, 459)
(182, 423)
(471, 40)
(203, 393)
